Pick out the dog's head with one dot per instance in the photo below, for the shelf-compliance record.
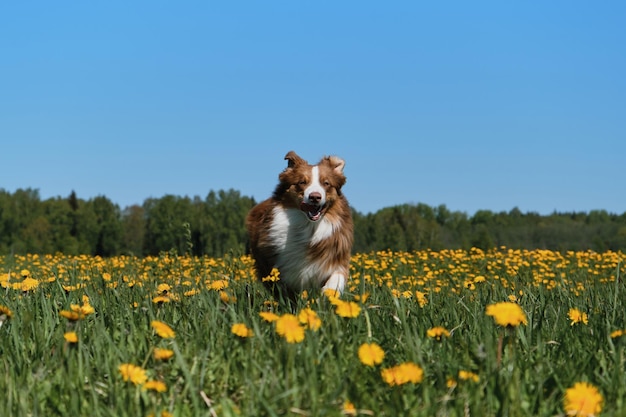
(311, 188)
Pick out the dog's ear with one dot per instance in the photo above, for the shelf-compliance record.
(337, 164)
(293, 159)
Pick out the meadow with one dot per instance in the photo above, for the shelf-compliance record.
(429, 333)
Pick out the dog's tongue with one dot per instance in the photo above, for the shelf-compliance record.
(313, 211)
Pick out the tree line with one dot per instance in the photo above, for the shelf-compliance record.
(214, 226)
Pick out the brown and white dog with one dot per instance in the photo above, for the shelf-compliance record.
(305, 229)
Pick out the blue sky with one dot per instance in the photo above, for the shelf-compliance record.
(475, 105)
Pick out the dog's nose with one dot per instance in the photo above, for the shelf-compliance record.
(315, 198)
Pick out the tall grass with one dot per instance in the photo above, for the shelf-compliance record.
(518, 371)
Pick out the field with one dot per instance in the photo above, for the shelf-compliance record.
(449, 333)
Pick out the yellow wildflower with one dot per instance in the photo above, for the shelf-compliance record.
(71, 315)
(437, 332)
(577, 316)
(132, 373)
(163, 329)
(157, 386)
(161, 354)
(507, 314)
(348, 309)
(371, 354)
(402, 374)
(241, 330)
(70, 337)
(288, 326)
(310, 319)
(274, 276)
(6, 311)
(583, 400)
(468, 376)
(269, 316)
(348, 409)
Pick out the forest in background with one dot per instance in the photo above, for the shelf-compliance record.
(214, 226)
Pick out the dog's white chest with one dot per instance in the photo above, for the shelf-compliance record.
(292, 234)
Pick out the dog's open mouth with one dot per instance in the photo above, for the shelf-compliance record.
(313, 211)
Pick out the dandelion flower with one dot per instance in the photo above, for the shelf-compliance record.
(371, 354)
(583, 400)
(6, 311)
(241, 330)
(507, 314)
(274, 276)
(349, 409)
(577, 316)
(157, 386)
(468, 376)
(617, 333)
(163, 329)
(218, 285)
(310, 319)
(268, 316)
(70, 337)
(348, 309)
(421, 298)
(161, 299)
(288, 326)
(437, 332)
(71, 315)
(132, 373)
(28, 284)
(161, 354)
(402, 374)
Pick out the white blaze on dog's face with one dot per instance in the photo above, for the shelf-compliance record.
(311, 188)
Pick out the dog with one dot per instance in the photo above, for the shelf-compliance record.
(305, 229)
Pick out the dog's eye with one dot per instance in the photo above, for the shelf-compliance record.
(302, 182)
(327, 183)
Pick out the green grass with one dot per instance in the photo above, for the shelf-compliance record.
(522, 371)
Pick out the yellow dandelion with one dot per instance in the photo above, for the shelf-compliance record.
(348, 409)
(132, 373)
(582, 400)
(577, 316)
(288, 326)
(161, 299)
(371, 354)
(268, 316)
(332, 295)
(84, 309)
(274, 276)
(310, 319)
(241, 330)
(617, 333)
(421, 298)
(157, 386)
(218, 285)
(348, 309)
(161, 354)
(6, 311)
(437, 332)
(70, 337)
(163, 329)
(163, 289)
(468, 376)
(402, 374)
(227, 298)
(507, 314)
(71, 315)
(28, 284)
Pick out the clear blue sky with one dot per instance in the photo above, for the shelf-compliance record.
(475, 105)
